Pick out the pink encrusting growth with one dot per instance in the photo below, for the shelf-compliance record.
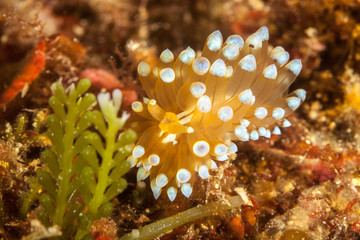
(198, 104)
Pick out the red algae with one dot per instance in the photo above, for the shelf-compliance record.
(29, 73)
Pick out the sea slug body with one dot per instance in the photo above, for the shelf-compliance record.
(198, 104)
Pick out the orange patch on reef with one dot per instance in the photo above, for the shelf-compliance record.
(61, 45)
(237, 226)
(28, 74)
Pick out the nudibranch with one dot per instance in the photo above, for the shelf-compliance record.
(199, 103)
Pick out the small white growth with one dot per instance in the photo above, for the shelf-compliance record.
(171, 192)
(214, 41)
(245, 122)
(135, 233)
(124, 117)
(105, 104)
(201, 65)
(141, 173)
(146, 165)
(286, 123)
(294, 66)
(246, 96)
(231, 52)
(262, 131)
(260, 112)
(245, 137)
(213, 164)
(248, 63)
(278, 113)
(293, 102)
(280, 55)
(254, 40)
(183, 175)
(203, 171)
(240, 131)
(170, 138)
(167, 75)
(152, 102)
(276, 130)
(218, 68)
(117, 99)
(154, 159)
(204, 104)
(24, 90)
(156, 189)
(264, 33)
(225, 113)
(268, 133)
(187, 56)
(146, 100)
(232, 148)
(236, 40)
(277, 49)
(197, 89)
(252, 100)
(138, 151)
(132, 161)
(161, 180)
(137, 106)
(220, 149)
(222, 158)
(144, 69)
(244, 196)
(254, 135)
(186, 189)
(201, 148)
(270, 72)
(167, 56)
(229, 71)
(301, 93)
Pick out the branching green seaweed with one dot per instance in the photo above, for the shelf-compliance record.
(78, 184)
(98, 193)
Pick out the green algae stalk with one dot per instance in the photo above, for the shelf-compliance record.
(98, 192)
(83, 169)
(164, 225)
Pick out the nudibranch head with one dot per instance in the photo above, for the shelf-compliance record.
(199, 103)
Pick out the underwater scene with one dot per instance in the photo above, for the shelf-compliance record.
(204, 119)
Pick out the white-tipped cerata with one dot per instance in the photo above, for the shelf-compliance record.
(197, 89)
(260, 112)
(167, 56)
(248, 63)
(183, 175)
(144, 69)
(225, 114)
(203, 171)
(138, 151)
(171, 192)
(201, 148)
(246, 96)
(214, 41)
(167, 75)
(187, 56)
(201, 65)
(186, 189)
(218, 68)
(161, 180)
(204, 104)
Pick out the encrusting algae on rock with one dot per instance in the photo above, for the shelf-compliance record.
(199, 103)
